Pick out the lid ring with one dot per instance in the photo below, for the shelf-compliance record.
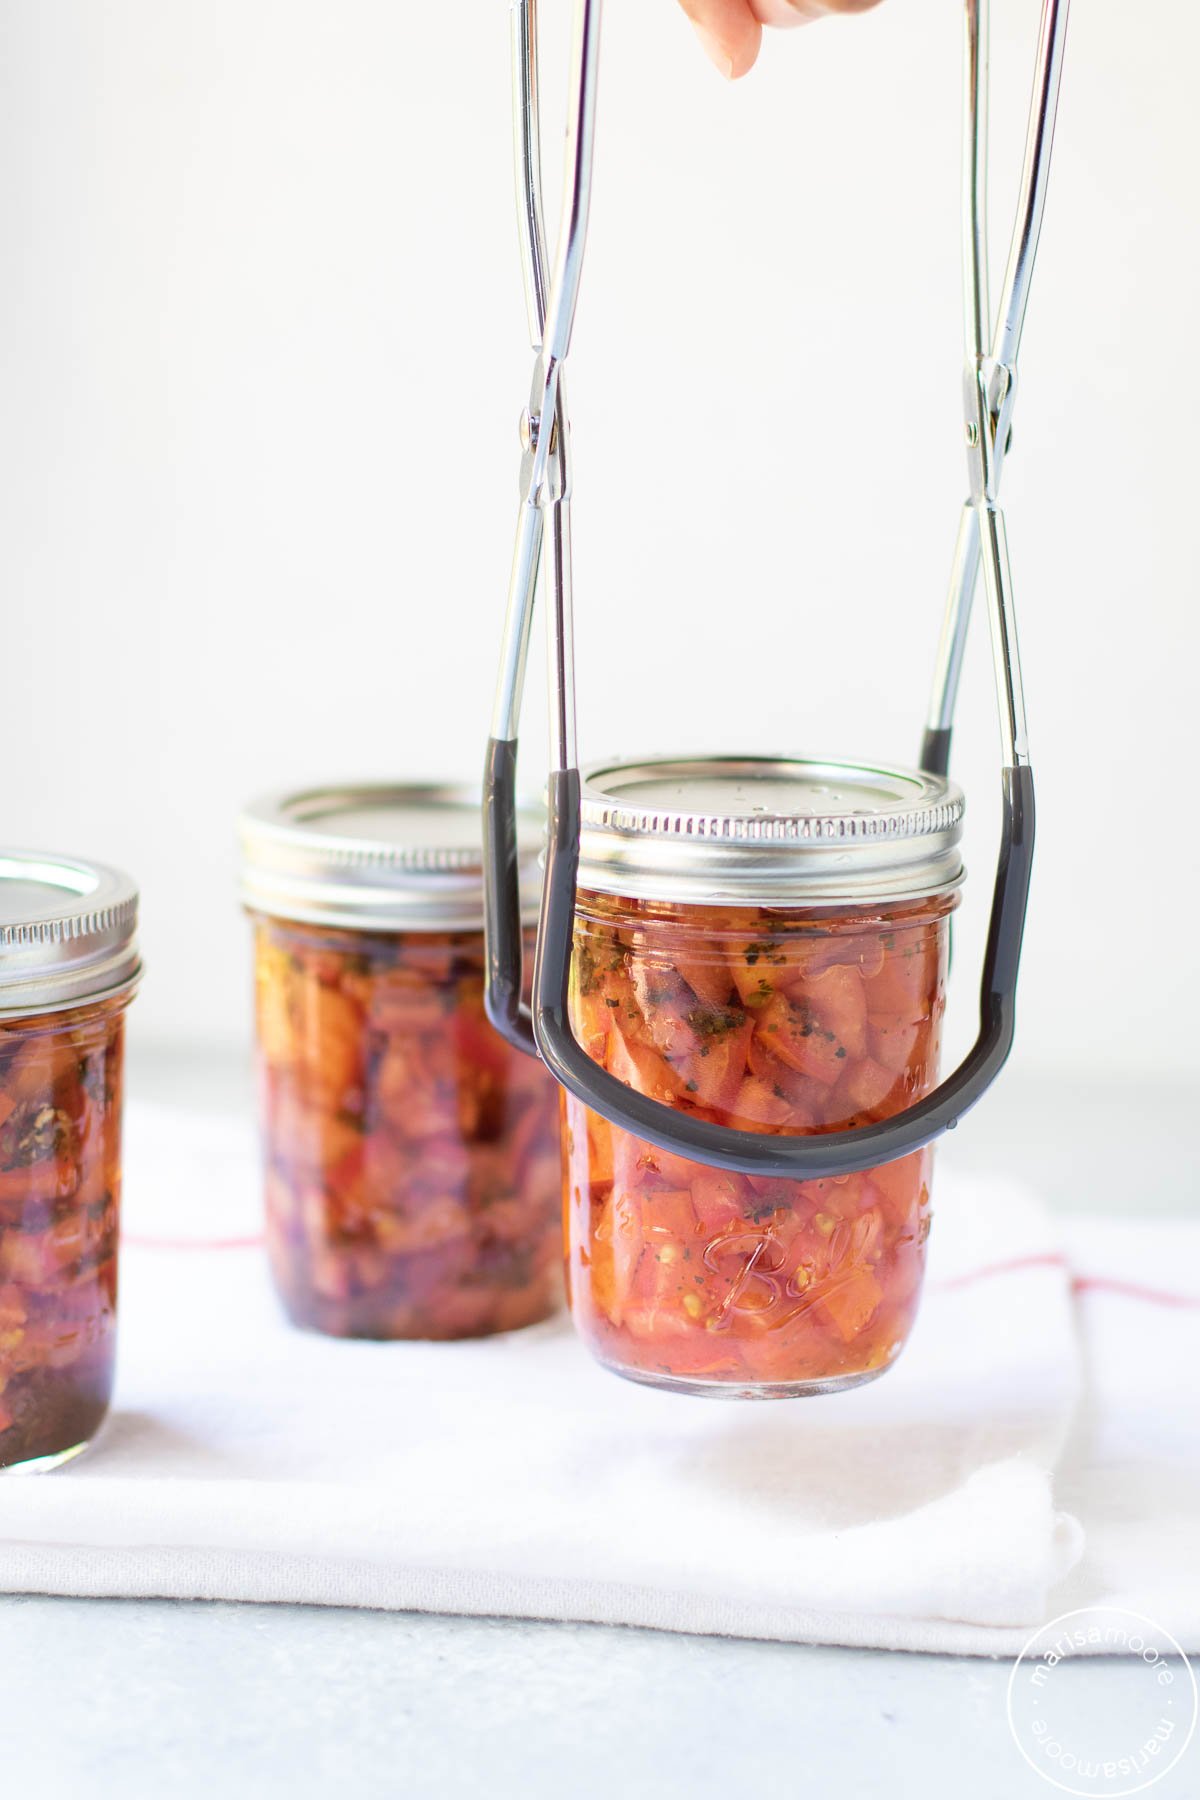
(68, 933)
(376, 856)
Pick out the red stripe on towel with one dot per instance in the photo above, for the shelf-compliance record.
(1131, 1290)
(1049, 1259)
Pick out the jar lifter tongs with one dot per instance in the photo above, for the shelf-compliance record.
(989, 385)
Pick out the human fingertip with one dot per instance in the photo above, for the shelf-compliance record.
(716, 50)
(745, 56)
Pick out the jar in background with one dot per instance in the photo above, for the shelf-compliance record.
(413, 1178)
(68, 969)
(761, 944)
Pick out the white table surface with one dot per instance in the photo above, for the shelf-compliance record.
(175, 1699)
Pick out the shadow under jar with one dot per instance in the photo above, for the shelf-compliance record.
(413, 1175)
(68, 969)
(761, 944)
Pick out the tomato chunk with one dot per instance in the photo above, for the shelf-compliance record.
(839, 1004)
(414, 1177)
(768, 1021)
(61, 1080)
(792, 1031)
(712, 1074)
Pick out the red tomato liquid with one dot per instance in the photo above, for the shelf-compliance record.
(771, 1021)
(60, 1191)
(412, 1157)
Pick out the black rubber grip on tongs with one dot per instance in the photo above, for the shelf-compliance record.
(503, 936)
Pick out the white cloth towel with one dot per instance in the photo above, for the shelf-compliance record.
(246, 1460)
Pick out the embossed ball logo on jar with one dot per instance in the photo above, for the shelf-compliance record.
(752, 1263)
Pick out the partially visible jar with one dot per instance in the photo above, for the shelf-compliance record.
(68, 969)
(412, 1160)
(763, 945)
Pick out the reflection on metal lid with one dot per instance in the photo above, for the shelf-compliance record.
(376, 856)
(769, 831)
(67, 932)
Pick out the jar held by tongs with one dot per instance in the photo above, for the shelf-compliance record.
(740, 963)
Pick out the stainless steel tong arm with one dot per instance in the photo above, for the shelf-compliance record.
(990, 380)
(551, 299)
(545, 484)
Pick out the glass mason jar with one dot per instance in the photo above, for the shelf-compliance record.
(412, 1159)
(68, 968)
(762, 945)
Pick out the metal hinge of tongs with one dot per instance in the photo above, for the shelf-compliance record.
(989, 388)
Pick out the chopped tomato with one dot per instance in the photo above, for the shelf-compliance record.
(894, 1040)
(838, 1002)
(666, 1002)
(626, 1245)
(641, 1067)
(669, 1216)
(414, 1174)
(806, 1097)
(851, 1301)
(712, 1074)
(906, 984)
(708, 978)
(866, 1085)
(757, 1105)
(720, 1199)
(599, 1150)
(757, 965)
(593, 1022)
(636, 1164)
(60, 1182)
(479, 1048)
(791, 1030)
(766, 1021)
(901, 1187)
(866, 953)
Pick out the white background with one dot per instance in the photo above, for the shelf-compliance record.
(261, 357)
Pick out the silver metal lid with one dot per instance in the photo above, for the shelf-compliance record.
(67, 933)
(768, 831)
(377, 857)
